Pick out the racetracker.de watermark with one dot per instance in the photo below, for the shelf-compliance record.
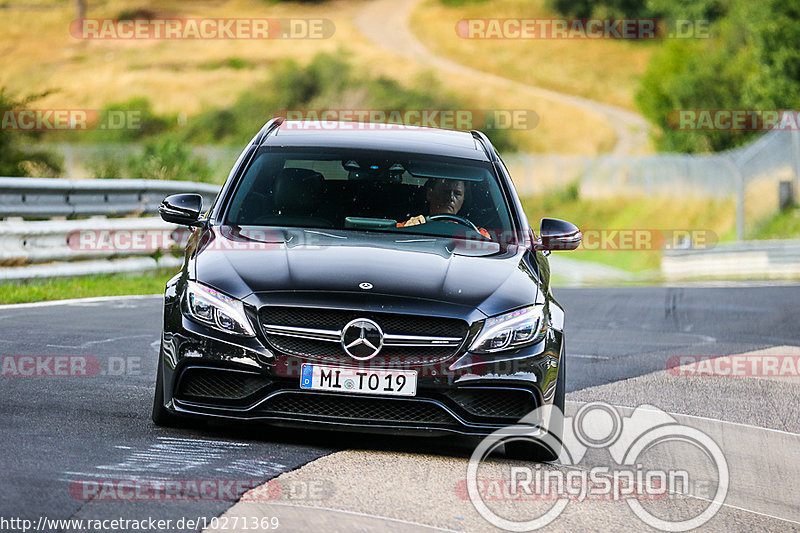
(581, 28)
(177, 28)
(374, 119)
(729, 366)
(733, 119)
(72, 366)
(617, 240)
(69, 119)
(104, 240)
(195, 490)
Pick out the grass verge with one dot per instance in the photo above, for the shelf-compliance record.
(657, 216)
(84, 287)
(670, 217)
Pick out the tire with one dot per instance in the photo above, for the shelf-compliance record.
(540, 452)
(161, 416)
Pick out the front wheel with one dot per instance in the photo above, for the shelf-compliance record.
(541, 451)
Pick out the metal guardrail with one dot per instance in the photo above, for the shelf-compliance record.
(42, 241)
(774, 259)
(43, 198)
(101, 244)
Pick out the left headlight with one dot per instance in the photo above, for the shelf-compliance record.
(511, 330)
(212, 308)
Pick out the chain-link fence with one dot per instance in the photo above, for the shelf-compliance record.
(749, 173)
(775, 155)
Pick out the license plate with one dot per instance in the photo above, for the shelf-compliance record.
(359, 380)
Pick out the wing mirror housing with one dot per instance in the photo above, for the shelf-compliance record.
(183, 209)
(556, 234)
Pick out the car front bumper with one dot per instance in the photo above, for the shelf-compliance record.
(210, 374)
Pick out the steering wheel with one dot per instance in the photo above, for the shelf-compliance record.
(455, 218)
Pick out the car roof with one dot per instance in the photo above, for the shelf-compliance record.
(377, 136)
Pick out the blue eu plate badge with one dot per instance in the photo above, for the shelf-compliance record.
(306, 375)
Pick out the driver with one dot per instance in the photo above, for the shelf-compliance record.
(445, 197)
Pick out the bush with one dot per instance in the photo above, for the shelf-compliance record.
(667, 9)
(14, 161)
(107, 166)
(235, 63)
(139, 121)
(162, 159)
(168, 159)
(128, 121)
(133, 14)
(327, 82)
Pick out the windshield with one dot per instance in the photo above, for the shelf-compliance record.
(371, 191)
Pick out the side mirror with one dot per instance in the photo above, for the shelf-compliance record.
(558, 234)
(183, 209)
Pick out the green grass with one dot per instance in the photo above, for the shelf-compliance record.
(715, 216)
(84, 287)
(783, 225)
(593, 216)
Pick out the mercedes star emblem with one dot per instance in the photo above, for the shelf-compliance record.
(365, 285)
(362, 339)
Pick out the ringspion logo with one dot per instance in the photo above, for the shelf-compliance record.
(598, 427)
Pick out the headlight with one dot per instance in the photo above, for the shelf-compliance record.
(511, 330)
(214, 309)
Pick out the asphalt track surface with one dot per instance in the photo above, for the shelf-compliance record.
(59, 432)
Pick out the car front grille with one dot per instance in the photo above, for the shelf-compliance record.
(336, 319)
(495, 402)
(316, 333)
(389, 356)
(365, 409)
(199, 383)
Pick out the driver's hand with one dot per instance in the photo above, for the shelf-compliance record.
(413, 221)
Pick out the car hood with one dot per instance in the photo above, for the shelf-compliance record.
(243, 261)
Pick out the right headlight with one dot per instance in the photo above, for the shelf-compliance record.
(510, 331)
(221, 312)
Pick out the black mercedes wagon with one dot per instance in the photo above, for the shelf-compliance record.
(364, 277)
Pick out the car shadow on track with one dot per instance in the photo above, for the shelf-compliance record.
(445, 446)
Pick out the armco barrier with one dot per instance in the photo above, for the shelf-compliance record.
(40, 241)
(776, 259)
(48, 248)
(44, 198)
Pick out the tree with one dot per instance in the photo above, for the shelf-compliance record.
(751, 61)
